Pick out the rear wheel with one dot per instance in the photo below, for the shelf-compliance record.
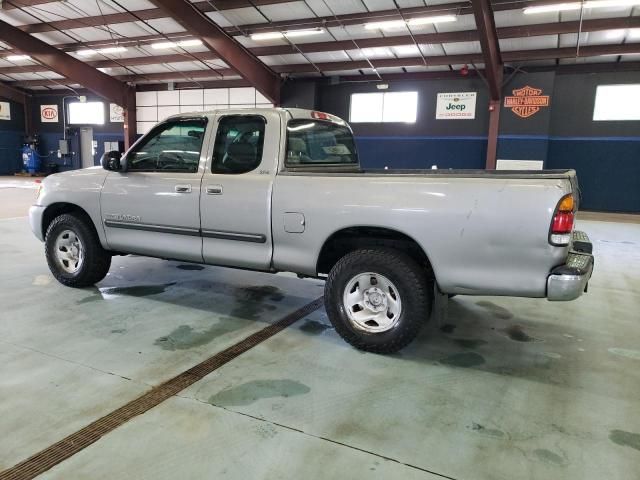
(74, 253)
(377, 299)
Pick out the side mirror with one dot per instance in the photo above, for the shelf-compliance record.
(111, 161)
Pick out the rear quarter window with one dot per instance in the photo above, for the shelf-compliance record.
(314, 143)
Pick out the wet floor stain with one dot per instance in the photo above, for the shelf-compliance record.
(490, 432)
(185, 336)
(625, 352)
(119, 330)
(550, 457)
(447, 328)
(465, 360)
(91, 298)
(496, 310)
(250, 392)
(41, 280)
(313, 327)
(250, 302)
(625, 439)
(552, 355)
(187, 266)
(470, 343)
(136, 290)
(517, 334)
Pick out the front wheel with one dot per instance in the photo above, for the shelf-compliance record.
(377, 299)
(74, 253)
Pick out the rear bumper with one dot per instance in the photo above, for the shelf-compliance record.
(569, 281)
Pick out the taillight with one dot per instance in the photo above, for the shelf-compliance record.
(562, 223)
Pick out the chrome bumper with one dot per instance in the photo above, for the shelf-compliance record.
(35, 221)
(569, 281)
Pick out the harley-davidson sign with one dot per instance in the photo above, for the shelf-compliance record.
(526, 101)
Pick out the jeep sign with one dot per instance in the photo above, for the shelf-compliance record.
(456, 106)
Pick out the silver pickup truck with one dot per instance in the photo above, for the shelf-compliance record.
(281, 190)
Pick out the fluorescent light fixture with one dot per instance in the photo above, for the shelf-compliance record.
(389, 24)
(183, 43)
(431, 20)
(18, 58)
(266, 36)
(303, 33)
(288, 34)
(88, 53)
(112, 50)
(562, 7)
(556, 7)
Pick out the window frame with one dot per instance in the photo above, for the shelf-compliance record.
(215, 141)
(161, 125)
(306, 166)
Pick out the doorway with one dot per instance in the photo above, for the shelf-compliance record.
(87, 147)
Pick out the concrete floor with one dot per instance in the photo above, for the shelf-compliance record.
(502, 389)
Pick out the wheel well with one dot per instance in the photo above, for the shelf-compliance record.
(56, 209)
(350, 239)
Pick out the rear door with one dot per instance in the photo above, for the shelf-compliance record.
(154, 207)
(235, 203)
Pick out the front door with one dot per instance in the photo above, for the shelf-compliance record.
(235, 203)
(153, 208)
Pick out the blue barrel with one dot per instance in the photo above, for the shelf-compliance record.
(30, 160)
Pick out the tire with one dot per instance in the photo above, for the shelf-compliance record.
(408, 299)
(74, 253)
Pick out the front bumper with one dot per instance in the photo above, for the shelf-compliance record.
(569, 281)
(35, 221)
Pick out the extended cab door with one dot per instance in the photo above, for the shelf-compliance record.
(235, 203)
(153, 208)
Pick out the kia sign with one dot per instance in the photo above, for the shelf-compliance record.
(49, 113)
(5, 111)
(456, 106)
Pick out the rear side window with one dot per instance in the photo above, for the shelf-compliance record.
(312, 142)
(172, 146)
(239, 143)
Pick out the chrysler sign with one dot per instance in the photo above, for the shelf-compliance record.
(456, 106)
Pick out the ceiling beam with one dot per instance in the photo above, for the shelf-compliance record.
(301, 68)
(12, 94)
(65, 65)
(522, 31)
(137, 15)
(229, 50)
(458, 8)
(490, 47)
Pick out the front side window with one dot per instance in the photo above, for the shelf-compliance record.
(239, 143)
(311, 142)
(173, 147)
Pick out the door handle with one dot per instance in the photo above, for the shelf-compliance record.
(183, 188)
(214, 190)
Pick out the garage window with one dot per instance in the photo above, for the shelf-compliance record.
(617, 102)
(385, 107)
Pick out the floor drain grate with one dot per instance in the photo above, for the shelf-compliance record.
(69, 446)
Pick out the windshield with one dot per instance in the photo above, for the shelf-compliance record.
(312, 142)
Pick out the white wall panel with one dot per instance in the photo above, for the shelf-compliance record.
(146, 98)
(147, 114)
(242, 96)
(169, 97)
(191, 97)
(216, 96)
(167, 111)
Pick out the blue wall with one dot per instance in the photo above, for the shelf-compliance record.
(421, 152)
(608, 169)
(563, 135)
(11, 138)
